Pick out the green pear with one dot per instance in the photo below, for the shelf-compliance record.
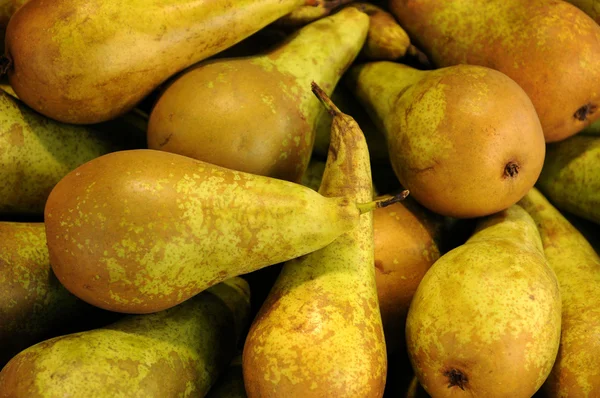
(88, 61)
(571, 176)
(175, 353)
(549, 47)
(33, 303)
(486, 319)
(465, 140)
(576, 372)
(143, 230)
(256, 114)
(231, 383)
(319, 332)
(37, 152)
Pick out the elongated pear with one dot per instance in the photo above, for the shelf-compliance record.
(465, 140)
(406, 239)
(139, 231)
(37, 152)
(571, 176)
(576, 372)
(486, 319)
(33, 303)
(257, 114)
(319, 332)
(175, 353)
(549, 47)
(92, 60)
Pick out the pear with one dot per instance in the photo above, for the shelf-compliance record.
(486, 319)
(465, 140)
(386, 39)
(406, 238)
(319, 332)
(256, 114)
(143, 230)
(550, 48)
(231, 383)
(592, 129)
(38, 152)
(175, 353)
(92, 60)
(576, 372)
(33, 304)
(590, 7)
(571, 176)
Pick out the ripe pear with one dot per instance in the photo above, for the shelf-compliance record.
(406, 238)
(37, 152)
(143, 230)
(319, 332)
(175, 353)
(549, 47)
(571, 176)
(88, 61)
(486, 319)
(590, 7)
(465, 140)
(231, 383)
(33, 303)
(256, 114)
(576, 372)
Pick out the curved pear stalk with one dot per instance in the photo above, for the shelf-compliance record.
(576, 371)
(92, 60)
(254, 114)
(179, 352)
(319, 332)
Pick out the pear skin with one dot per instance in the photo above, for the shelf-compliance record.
(590, 7)
(486, 319)
(175, 353)
(465, 140)
(571, 176)
(90, 61)
(33, 303)
(406, 240)
(38, 152)
(142, 230)
(576, 372)
(256, 114)
(319, 332)
(550, 48)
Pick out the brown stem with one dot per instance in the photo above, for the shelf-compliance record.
(325, 100)
(376, 204)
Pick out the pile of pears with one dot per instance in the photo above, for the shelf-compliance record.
(300, 198)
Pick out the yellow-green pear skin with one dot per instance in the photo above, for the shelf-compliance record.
(257, 114)
(549, 47)
(319, 332)
(571, 176)
(486, 319)
(576, 372)
(37, 152)
(89, 61)
(465, 140)
(178, 352)
(143, 230)
(231, 383)
(33, 303)
(590, 7)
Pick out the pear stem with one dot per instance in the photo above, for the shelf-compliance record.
(376, 204)
(325, 100)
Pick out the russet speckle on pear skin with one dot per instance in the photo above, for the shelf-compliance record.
(143, 230)
(571, 176)
(35, 153)
(465, 140)
(550, 48)
(32, 300)
(178, 352)
(577, 267)
(254, 114)
(319, 332)
(73, 61)
(486, 318)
